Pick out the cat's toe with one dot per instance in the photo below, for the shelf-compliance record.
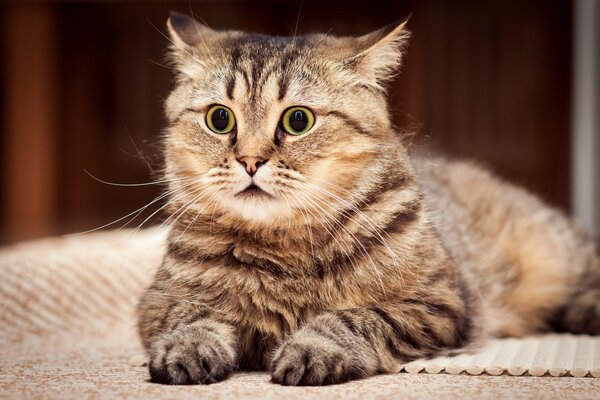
(177, 361)
(312, 363)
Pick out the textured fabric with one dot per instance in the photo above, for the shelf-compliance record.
(67, 330)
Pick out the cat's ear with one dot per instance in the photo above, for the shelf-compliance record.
(191, 44)
(186, 31)
(380, 54)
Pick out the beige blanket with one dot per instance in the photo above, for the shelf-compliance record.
(67, 330)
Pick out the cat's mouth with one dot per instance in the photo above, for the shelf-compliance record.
(253, 191)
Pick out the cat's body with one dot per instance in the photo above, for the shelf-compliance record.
(352, 258)
(522, 259)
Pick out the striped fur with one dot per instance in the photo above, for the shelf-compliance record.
(362, 258)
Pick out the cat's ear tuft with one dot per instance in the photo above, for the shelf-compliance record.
(186, 31)
(380, 54)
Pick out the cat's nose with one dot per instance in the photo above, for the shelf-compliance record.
(251, 164)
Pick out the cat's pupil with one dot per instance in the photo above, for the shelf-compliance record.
(220, 119)
(298, 120)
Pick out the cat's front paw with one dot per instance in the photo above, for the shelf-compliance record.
(190, 356)
(313, 361)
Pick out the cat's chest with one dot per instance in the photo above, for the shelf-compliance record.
(262, 294)
(264, 290)
(267, 308)
(272, 302)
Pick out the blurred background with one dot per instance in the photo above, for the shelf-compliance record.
(511, 84)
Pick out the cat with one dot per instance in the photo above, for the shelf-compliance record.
(307, 241)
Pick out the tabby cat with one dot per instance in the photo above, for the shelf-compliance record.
(307, 241)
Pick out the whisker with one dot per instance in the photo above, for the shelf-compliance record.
(298, 19)
(357, 242)
(139, 184)
(182, 210)
(359, 213)
(324, 221)
(193, 58)
(136, 212)
(171, 201)
(162, 65)
(202, 36)
(378, 235)
(287, 232)
(330, 230)
(308, 227)
(316, 45)
(371, 223)
(212, 197)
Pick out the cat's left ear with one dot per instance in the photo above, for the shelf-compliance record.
(380, 54)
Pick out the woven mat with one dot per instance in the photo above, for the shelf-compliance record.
(553, 355)
(67, 330)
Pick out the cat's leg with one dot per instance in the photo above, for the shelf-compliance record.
(201, 352)
(187, 342)
(356, 343)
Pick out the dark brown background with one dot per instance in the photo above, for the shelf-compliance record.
(82, 88)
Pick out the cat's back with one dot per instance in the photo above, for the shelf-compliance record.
(511, 247)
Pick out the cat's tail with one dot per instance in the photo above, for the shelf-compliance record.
(581, 312)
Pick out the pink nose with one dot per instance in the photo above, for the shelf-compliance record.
(251, 164)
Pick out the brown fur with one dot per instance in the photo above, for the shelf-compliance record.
(362, 258)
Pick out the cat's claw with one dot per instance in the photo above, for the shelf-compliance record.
(180, 360)
(312, 363)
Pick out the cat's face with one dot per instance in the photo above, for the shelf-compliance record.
(271, 129)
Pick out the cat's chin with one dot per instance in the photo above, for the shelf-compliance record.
(254, 192)
(258, 207)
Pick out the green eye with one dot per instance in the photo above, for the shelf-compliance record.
(297, 120)
(220, 119)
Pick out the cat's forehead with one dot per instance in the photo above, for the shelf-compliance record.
(265, 47)
(253, 68)
(257, 67)
(266, 42)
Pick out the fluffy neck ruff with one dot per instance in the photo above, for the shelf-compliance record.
(389, 215)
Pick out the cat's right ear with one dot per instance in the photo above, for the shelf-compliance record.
(380, 54)
(186, 31)
(191, 44)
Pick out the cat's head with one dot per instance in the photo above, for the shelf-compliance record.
(268, 130)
